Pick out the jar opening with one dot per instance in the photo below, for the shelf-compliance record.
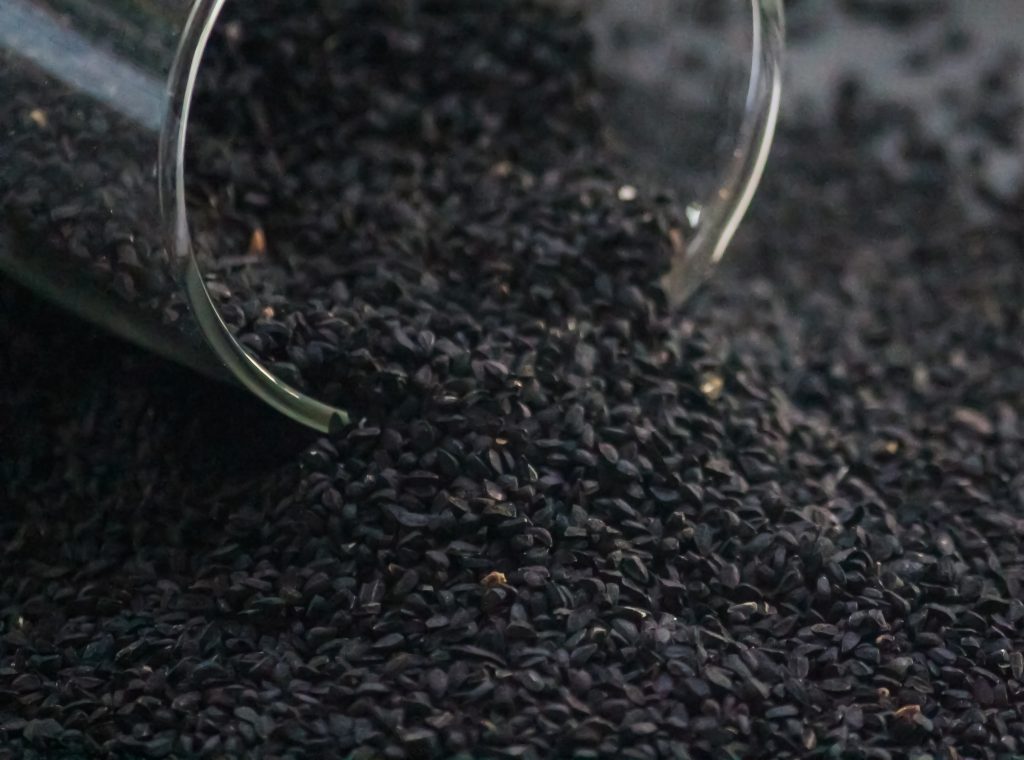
(376, 156)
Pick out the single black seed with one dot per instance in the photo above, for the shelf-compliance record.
(421, 742)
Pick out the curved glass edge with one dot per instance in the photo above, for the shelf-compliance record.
(725, 210)
(171, 168)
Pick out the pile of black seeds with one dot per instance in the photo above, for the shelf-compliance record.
(395, 184)
(785, 523)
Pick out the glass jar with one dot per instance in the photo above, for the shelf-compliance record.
(94, 189)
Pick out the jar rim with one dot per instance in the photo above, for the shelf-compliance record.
(720, 217)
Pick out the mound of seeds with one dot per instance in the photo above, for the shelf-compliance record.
(405, 182)
(572, 523)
